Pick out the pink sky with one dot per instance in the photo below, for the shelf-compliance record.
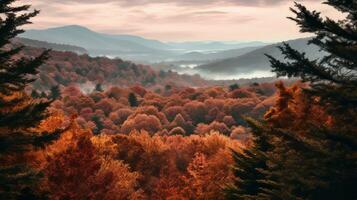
(178, 20)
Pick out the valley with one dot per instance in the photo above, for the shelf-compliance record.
(178, 100)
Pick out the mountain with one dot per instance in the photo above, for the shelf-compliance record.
(143, 41)
(97, 43)
(213, 45)
(81, 36)
(256, 60)
(47, 45)
(198, 56)
(68, 68)
(131, 47)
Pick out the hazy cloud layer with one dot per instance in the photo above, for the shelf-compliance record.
(188, 2)
(177, 20)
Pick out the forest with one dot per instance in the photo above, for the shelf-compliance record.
(76, 127)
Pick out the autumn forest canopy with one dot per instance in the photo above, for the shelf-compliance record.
(77, 125)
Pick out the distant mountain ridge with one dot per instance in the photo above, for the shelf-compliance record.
(256, 59)
(219, 58)
(127, 46)
(214, 45)
(198, 56)
(52, 46)
(81, 36)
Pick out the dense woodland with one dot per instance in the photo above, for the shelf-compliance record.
(77, 127)
(194, 111)
(66, 68)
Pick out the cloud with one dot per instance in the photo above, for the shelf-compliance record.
(176, 20)
(130, 3)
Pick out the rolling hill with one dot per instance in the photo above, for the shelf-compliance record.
(83, 37)
(198, 56)
(132, 47)
(256, 60)
(213, 45)
(47, 45)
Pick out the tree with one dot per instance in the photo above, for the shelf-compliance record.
(99, 125)
(321, 153)
(55, 92)
(332, 77)
(149, 123)
(249, 167)
(133, 100)
(326, 150)
(233, 87)
(35, 94)
(313, 157)
(80, 172)
(99, 87)
(19, 113)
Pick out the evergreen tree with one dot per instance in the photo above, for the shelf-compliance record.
(327, 153)
(44, 95)
(133, 100)
(233, 87)
(19, 113)
(35, 94)
(99, 87)
(313, 161)
(249, 167)
(98, 123)
(55, 92)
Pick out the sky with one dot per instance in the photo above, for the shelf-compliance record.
(178, 20)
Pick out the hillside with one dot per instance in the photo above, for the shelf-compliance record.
(256, 60)
(135, 48)
(47, 45)
(67, 68)
(198, 56)
(81, 36)
(97, 43)
(213, 45)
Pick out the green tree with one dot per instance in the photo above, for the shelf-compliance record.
(35, 94)
(98, 123)
(250, 166)
(18, 111)
(325, 155)
(233, 87)
(99, 87)
(133, 101)
(55, 92)
(313, 161)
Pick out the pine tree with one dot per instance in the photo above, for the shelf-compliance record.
(35, 94)
(133, 100)
(19, 113)
(55, 92)
(321, 164)
(99, 87)
(333, 77)
(312, 161)
(98, 123)
(249, 167)
(233, 87)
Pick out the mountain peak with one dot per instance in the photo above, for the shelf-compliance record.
(71, 27)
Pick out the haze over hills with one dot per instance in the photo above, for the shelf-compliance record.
(128, 46)
(95, 43)
(214, 45)
(210, 59)
(47, 45)
(256, 60)
(199, 56)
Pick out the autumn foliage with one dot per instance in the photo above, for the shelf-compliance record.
(135, 165)
(171, 146)
(187, 111)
